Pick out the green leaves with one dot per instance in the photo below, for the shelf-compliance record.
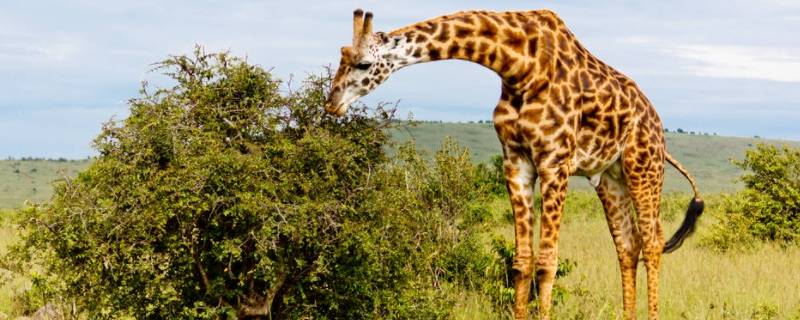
(207, 198)
(769, 207)
(772, 192)
(234, 195)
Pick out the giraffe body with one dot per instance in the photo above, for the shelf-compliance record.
(561, 112)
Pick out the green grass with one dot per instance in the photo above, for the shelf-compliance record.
(21, 181)
(8, 283)
(31, 180)
(706, 157)
(696, 282)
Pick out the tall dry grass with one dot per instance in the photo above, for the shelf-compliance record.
(696, 282)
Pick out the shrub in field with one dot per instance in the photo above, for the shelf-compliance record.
(492, 175)
(225, 197)
(498, 283)
(468, 264)
(772, 194)
(769, 207)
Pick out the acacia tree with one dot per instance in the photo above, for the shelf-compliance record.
(772, 192)
(224, 197)
(768, 209)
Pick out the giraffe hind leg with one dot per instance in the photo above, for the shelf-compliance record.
(644, 173)
(616, 201)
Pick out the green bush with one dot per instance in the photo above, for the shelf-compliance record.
(498, 279)
(769, 207)
(492, 175)
(227, 196)
(772, 194)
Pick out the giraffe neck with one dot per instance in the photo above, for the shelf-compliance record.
(512, 46)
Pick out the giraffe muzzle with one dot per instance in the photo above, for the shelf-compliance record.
(336, 110)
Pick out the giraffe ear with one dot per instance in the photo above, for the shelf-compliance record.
(347, 54)
(382, 35)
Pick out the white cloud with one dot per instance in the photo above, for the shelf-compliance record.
(744, 62)
(753, 62)
(93, 53)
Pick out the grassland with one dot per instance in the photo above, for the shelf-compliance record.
(21, 181)
(708, 158)
(8, 283)
(696, 282)
(32, 180)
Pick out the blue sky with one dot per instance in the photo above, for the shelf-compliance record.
(731, 67)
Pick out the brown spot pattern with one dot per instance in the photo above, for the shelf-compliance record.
(561, 112)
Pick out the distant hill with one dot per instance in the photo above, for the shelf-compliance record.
(707, 157)
(32, 180)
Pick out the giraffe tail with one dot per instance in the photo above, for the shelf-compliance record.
(692, 214)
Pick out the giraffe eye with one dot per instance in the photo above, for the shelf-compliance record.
(363, 65)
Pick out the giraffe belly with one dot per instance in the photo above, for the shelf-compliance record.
(593, 164)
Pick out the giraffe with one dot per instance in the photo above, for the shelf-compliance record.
(561, 112)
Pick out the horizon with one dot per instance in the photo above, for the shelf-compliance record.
(731, 68)
(468, 122)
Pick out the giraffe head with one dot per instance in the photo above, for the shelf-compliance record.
(364, 65)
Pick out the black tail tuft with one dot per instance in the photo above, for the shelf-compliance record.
(687, 227)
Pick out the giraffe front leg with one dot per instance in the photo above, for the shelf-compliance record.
(520, 176)
(554, 189)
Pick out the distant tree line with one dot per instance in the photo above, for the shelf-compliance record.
(441, 121)
(59, 159)
(679, 130)
(698, 133)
